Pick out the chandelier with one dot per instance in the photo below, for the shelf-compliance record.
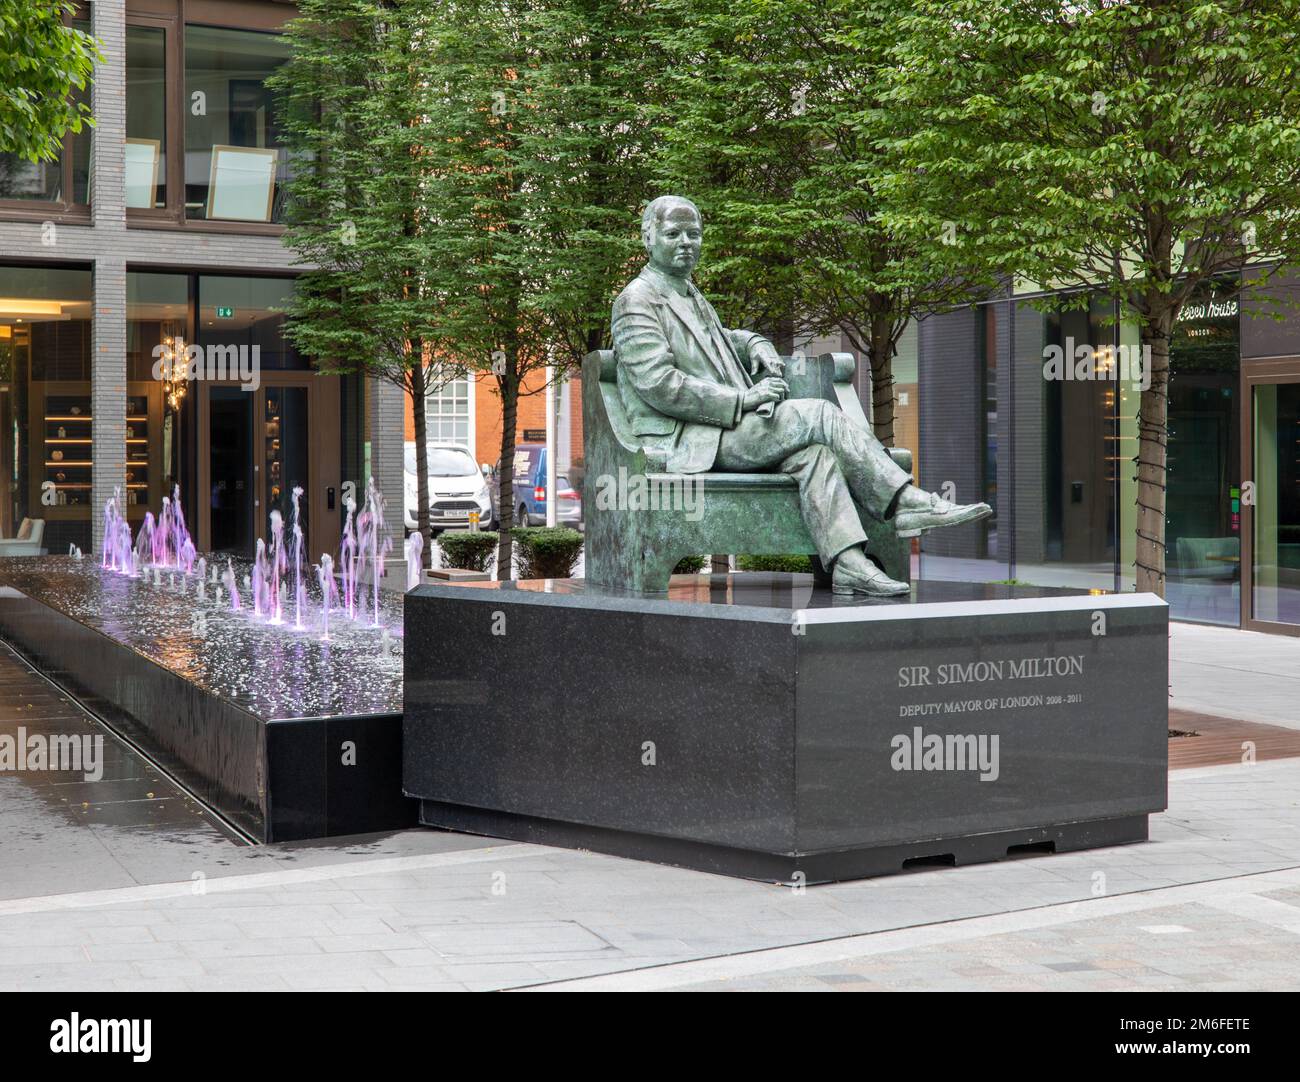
(174, 370)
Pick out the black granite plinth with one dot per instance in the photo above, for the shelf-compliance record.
(750, 725)
(287, 734)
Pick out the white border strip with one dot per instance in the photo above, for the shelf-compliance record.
(944, 610)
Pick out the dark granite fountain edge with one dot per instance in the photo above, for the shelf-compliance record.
(277, 779)
(231, 701)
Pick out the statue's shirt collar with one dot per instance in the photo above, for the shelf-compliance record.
(679, 287)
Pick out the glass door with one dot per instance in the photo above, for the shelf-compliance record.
(285, 457)
(260, 447)
(230, 481)
(1275, 556)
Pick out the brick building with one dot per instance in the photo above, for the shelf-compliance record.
(158, 230)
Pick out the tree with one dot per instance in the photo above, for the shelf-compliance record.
(42, 60)
(532, 152)
(1138, 149)
(353, 96)
(470, 174)
(775, 127)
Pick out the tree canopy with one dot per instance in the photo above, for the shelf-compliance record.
(42, 61)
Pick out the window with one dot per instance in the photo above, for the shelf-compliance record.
(146, 117)
(248, 312)
(234, 167)
(447, 413)
(46, 450)
(65, 180)
(157, 310)
(443, 462)
(1202, 501)
(23, 179)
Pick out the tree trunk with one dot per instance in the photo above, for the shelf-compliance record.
(508, 383)
(881, 359)
(1153, 445)
(419, 399)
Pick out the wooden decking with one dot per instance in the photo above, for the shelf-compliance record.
(1219, 740)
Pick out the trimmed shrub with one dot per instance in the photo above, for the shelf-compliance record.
(546, 552)
(690, 565)
(468, 550)
(795, 564)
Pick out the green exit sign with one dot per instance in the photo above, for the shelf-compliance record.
(225, 313)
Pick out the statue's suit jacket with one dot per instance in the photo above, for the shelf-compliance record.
(682, 378)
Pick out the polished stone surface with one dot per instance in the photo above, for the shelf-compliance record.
(771, 714)
(764, 590)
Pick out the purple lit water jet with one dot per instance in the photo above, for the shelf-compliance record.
(163, 544)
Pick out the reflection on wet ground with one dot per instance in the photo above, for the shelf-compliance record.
(60, 833)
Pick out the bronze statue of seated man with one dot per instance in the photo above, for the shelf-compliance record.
(714, 399)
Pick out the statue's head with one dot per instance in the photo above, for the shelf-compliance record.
(671, 230)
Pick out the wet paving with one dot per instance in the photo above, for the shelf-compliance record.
(61, 833)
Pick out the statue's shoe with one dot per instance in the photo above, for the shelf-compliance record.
(874, 583)
(915, 521)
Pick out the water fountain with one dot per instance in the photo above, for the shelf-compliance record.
(373, 541)
(348, 560)
(207, 655)
(258, 580)
(163, 552)
(299, 587)
(328, 591)
(277, 564)
(414, 561)
(229, 579)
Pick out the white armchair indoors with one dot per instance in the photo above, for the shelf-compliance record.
(28, 540)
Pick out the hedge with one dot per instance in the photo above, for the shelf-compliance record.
(546, 552)
(795, 564)
(468, 549)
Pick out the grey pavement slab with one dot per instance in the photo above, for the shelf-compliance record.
(508, 916)
(1235, 674)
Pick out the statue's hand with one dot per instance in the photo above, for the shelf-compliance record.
(769, 360)
(765, 390)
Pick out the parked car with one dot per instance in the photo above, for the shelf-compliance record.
(530, 490)
(456, 487)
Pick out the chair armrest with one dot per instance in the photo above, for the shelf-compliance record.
(606, 437)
